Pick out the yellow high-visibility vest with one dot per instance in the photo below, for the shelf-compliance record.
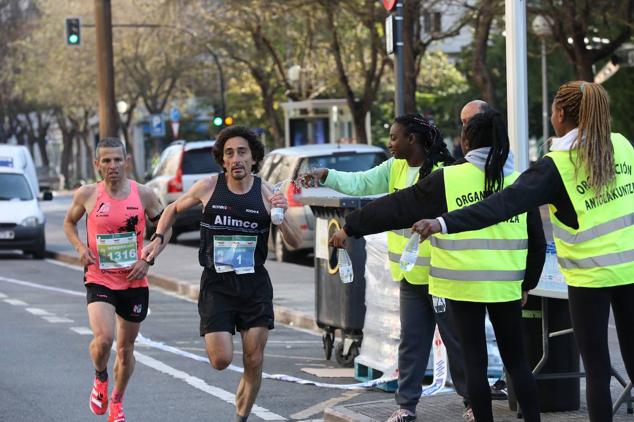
(397, 239)
(600, 253)
(485, 265)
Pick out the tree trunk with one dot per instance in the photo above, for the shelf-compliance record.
(268, 101)
(358, 118)
(411, 15)
(480, 73)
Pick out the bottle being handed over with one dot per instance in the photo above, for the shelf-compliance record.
(277, 213)
(345, 266)
(410, 253)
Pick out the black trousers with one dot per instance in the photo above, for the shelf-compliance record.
(590, 312)
(468, 319)
(418, 323)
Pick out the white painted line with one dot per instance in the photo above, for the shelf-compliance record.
(42, 286)
(64, 264)
(38, 311)
(320, 407)
(57, 320)
(84, 331)
(2, 295)
(15, 302)
(201, 385)
(293, 342)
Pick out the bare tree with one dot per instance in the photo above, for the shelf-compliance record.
(589, 31)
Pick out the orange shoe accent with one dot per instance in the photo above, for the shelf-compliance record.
(116, 412)
(99, 397)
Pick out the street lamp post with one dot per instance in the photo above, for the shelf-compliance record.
(541, 27)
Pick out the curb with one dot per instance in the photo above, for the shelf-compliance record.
(341, 414)
(283, 315)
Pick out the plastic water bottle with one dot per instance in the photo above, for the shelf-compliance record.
(277, 213)
(345, 266)
(410, 253)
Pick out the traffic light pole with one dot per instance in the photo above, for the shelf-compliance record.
(105, 70)
(399, 66)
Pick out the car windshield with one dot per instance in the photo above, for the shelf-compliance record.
(199, 161)
(345, 161)
(14, 187)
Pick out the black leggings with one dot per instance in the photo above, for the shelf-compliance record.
(506, 318)
(590, 311)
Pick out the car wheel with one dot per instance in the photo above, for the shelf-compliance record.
(282, 254)
(40, 251)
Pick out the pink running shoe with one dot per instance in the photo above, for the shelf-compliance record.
(99, 397)
(116, 412)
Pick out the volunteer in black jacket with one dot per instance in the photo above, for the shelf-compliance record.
(475, 272)
(587, 180)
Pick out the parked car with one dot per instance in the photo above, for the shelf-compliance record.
(181, 164)
(287, 163)
(21, 219)
(18, 157)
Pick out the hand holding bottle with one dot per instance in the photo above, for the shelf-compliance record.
(410, 253)
(277, 209)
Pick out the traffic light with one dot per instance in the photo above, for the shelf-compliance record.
(217, 121)
(228, 121)
(73, 31)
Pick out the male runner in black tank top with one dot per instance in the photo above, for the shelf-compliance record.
(235, 289)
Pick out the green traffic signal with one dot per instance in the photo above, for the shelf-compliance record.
(73, 31)
(217, 121)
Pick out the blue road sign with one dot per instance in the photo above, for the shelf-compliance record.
(175, 115)
(157, 125)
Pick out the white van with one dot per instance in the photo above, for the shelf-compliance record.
(21, 219)
(19, 158)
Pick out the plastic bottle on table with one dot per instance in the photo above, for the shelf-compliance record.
(345, 266)
(277, 213)
(410, 253)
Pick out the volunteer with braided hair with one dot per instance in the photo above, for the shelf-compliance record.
(418, 149)
(587, 180)
(481, 271)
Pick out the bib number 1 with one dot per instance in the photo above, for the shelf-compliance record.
(235, 253)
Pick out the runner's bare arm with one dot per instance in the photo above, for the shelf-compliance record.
(291, 234)
(75, 212)
(199, 193)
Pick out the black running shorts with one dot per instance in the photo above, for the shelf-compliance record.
(130, 304)
(230, 302)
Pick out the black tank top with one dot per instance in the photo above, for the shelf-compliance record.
(228, 214)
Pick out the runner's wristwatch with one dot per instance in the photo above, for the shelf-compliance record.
(159, 235)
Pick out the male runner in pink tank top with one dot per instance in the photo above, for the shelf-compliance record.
(114, 273)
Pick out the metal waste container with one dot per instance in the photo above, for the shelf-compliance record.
(338, 306)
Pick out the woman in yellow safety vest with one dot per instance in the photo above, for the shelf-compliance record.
(587, 180)
(488, 270)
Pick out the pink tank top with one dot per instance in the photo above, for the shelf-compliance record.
(115, 229)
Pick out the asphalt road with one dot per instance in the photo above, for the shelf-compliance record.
(46, 372)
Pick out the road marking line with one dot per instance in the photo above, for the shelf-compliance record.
(38, 311)
(43, 287)
(57, 320)
(201, 385)
(2, 295)
(15, 302)
(320, 407)
(64, 264)
(84, 331)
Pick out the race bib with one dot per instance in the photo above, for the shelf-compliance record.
(116, 250)
(235, 253)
